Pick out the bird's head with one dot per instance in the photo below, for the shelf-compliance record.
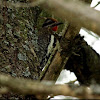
(52, 23)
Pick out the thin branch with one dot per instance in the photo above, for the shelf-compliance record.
(96, 4)
(26, 86)
(91, 33)
(29, 87)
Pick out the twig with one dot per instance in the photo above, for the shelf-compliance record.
(96, 4)
(89, 32)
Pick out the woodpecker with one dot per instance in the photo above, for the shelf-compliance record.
(51, 23)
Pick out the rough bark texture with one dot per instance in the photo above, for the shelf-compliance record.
(18, 36)
(23, 43)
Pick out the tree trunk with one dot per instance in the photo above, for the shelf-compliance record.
(23, 43)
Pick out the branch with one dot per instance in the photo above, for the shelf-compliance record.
(77, 13)
(26, 86)
(97, 4)
(29, 87)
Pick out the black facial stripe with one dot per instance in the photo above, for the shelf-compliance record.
(48, 22)
(56, 24)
